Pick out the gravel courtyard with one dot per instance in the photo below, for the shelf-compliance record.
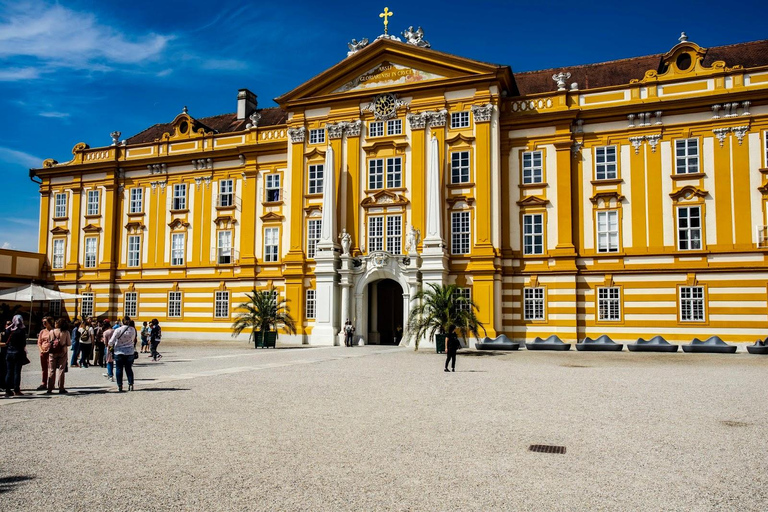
(225, 427)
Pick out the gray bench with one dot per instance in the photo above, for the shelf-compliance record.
(655, 344)
(713, 344)
(603, 343)
(500, 342)
(551, 343)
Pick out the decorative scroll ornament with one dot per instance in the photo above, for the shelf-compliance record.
(355, 46)
(415, 37)
(721, 133)
(380, 259)
(297, 134)
(352, 129)
(335, 130)
(636, 143)
(740, 132)
(653, 141)
(482, 113)
(560, 78)
(417, 121)
(438, 118)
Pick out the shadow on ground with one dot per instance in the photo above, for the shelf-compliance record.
(8, 483)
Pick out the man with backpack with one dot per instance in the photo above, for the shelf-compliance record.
(98, 343)
(86, 343)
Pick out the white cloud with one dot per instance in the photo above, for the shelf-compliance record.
(58, 115)
(14, 74)
(19, 157)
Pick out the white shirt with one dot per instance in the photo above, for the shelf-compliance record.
(122, 340)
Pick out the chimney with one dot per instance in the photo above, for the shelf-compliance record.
(246, 103)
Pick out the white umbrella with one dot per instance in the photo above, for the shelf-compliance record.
(31, 293)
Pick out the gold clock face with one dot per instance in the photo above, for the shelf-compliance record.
(384, 105)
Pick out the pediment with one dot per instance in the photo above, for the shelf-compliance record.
(272, 217)
(135, 226)
(386, 65)
(384, 198)
(92, 228)
(533, 201)
(178, 223)
(688, 192)
(58, 230)
(606, 197)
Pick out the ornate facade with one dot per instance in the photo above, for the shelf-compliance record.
(626, 198)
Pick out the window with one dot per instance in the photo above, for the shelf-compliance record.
(224, 248)
(58, 253)
(273, 187)
(394, 234)
(608, 231)
(134, 250)
(271, 244)
(87, 304)
(533, 303)
(394, 127)
(460, 119)
(533, 233)
(221, 305)
(467, 294)
(460, 233)
(226, 193)
(137, 196)
(177, 249)
(55, 308)
(315, 179)
(393, 242)
(311, 304)
(131, 301)
(689, 228)
(394, 173)
(609, 304)
(375, 234)
(93, 202)
(605, 163)
(317, 136)
(532, 167)
(686, 156)
(91, 245)
(179, 196)
(692, 303)
(174, 304)
(313, 236)
(460, 167)
(376, 129)
(60, 209)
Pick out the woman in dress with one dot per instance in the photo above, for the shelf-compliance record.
(16, 356)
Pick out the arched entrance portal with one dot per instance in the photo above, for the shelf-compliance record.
(385, 312)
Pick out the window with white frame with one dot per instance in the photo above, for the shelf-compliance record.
(375, 234)
(533, 170)
(394, 234)
(86, 304)
(688, 228)
(131, 302)
(460, 119)
(272, 188)
(271, 244)
(687, 156)
(313, 236)
(60, 209)
(93, 202)
(55, 308)
(460, 233)
(467, 294)
(224, 247)
(533, 233)
(460, 167)
(376, 129)
(376, 173)
(533, 303)
(177, 249)
(608, 231)
(315, 179)
(394, 172)
(134, 250)
(58, 253)
(221, 304)
(317, 136)
(311, 306)
(226, 193)
(609, 303)
(174, 304)
(605, 163)
(179, 196)
(691, 303)
(395, 127)
(137, 200)
(91, 247)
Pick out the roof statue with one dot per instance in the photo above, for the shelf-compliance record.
(355, 45)
(416, 37)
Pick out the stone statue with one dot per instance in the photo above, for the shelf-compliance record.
(346, 242)
(412, 239)
(355, 45)
(415, 37)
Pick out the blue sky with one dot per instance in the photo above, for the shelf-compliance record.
(76, 71)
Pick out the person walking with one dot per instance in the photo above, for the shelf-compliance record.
(122, 342)
(75, 337)
(43, 345)
(155, 335)
(16, 356)
(108, 330)
(86, 344)
(452, 346)
(4, 334)
(349, 333)
(59, 340)
(145, 338)
(98, 342)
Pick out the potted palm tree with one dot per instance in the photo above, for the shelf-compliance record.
(437, 308)
(262, 313)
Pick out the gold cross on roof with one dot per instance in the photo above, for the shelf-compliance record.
(386, 14)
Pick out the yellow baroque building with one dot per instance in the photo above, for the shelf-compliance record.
(625, 198)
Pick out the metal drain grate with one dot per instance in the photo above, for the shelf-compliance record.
(546, 448)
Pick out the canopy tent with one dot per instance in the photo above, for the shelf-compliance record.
(33, 292)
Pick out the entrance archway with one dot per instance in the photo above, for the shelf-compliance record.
(385, 312)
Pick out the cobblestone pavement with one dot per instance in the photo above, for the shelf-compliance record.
(220, 426)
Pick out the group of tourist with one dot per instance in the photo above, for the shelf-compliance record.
(95, 342)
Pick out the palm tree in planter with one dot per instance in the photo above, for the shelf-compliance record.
(263, 311)
(439, 307)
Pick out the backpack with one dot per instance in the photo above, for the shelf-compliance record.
(97, 335)
(55, 343)
(85, 335)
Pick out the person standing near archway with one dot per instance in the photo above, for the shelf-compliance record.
(349, 333)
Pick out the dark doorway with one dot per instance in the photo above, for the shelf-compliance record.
(385, 312)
